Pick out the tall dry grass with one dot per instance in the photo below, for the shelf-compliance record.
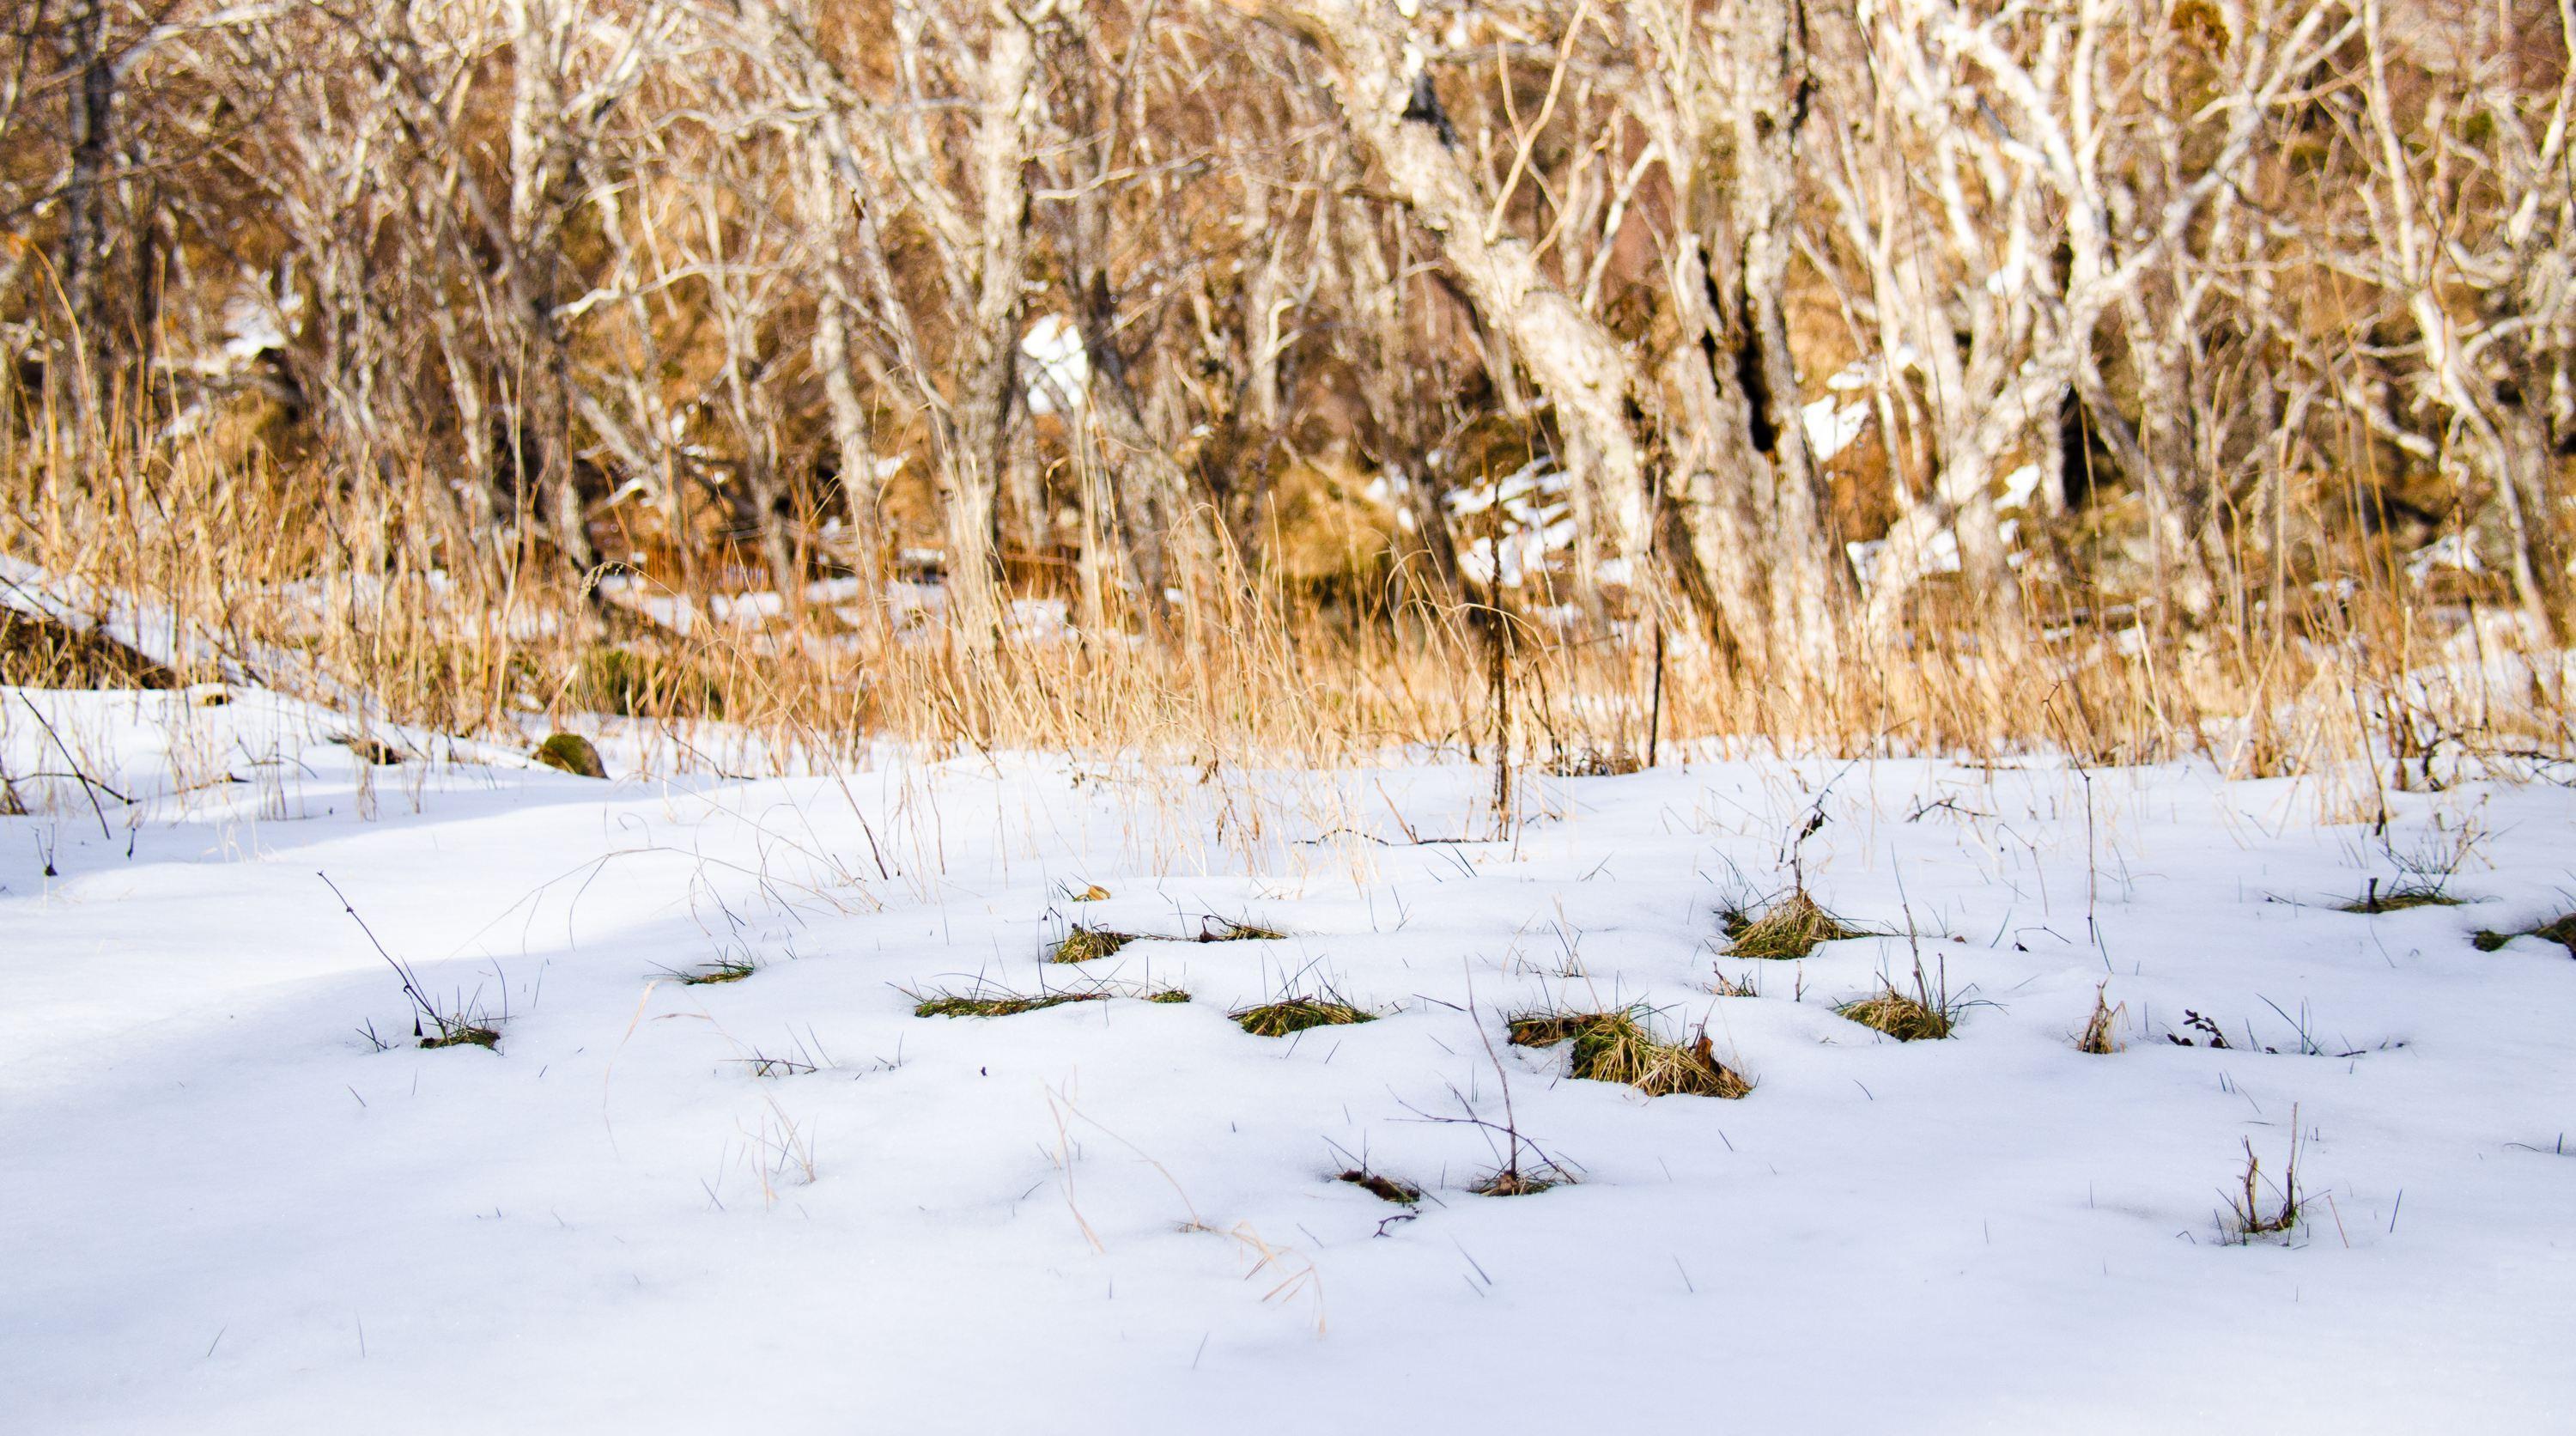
(296, 575)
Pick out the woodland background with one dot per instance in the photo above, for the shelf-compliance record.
(1230, 376)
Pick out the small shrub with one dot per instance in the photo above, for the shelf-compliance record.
(1618, 1047)
(1789, 928)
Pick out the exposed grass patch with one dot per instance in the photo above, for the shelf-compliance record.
(1226, 929)
(1620, 1047)
(2561, 931)
(1511, 1182)
(1928, 1013)
(723, 969)
(1167, 994)
(2398, 897)
(1085, 944)
(462, 1034)
(1296, 1014)
(571, 753)
(1790, 927)
(996, 1002)
(1382, 1187)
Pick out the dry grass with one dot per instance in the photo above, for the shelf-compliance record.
(379, 591)
(1621, 1047)
(722, 970)
(995, 1002)
(1382, 1187)
(1926, 1014)
(1788, 928)
(1286, 1015)
(2101, 1034)
(2253, 1212)
(2399, 897)
(1508, 1182)
(41, 653)
(1086, 944)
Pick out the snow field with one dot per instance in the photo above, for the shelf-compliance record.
(223, 1209)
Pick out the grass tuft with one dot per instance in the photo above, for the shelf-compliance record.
(1296, 1014)
(1619, 1047)
(1382, 1187)
(723, 969)
(1226, 929)
(2101, 1035)
(463, 1034)
(1789, 928)
(1084, 944)
(1167, 994)
(1511, 1183)
(2400, 897)
(996, 1003)
(1907, 1017)
(2561, 931)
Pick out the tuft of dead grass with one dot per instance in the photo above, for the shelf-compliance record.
(1287, 1015)
(1086, 944)
(2398, 897)
(1788, 928)
(1905, 1016)
(1382, 1187)
(2101, 1034)
(1621, 1047)
(2251, 1213)
(993, 1002)
(1509, 1182)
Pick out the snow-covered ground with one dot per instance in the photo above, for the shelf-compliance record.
(223, 1208)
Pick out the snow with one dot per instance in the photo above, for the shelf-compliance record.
(224, 1210)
